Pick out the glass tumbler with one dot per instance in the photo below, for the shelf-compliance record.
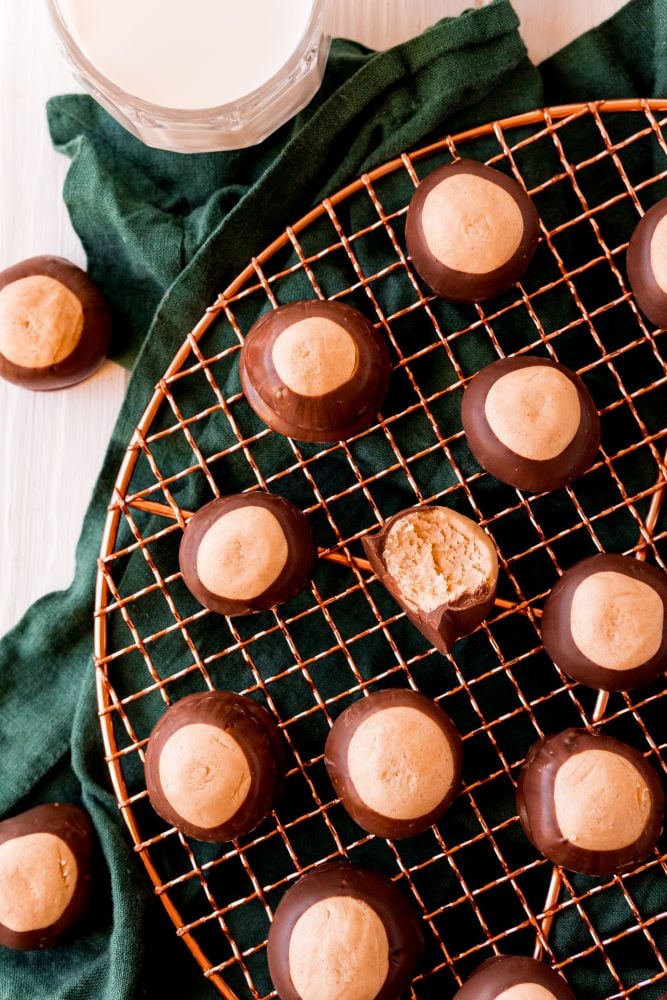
(239, 123)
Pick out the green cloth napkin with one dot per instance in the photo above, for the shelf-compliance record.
(164, 233)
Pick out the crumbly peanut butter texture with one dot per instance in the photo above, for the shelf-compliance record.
(616, 620)
(535, 411)
(242, 554)
(471, 224)
(315, 356)
(602, 801)
(439, 557)
(205, 775)
(38, 875)
(41, 321)
(339, 950)
(400, 763)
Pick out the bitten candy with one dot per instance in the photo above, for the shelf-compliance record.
(394, 759)
(531, 423)
(590, 803)
(55, 325)
(605, 622)
(471, 231)
(215, 764)
(343, 932)
(45, 875)
(246, 552)
(440, 566)
(647, 263)
(514, 977)
(315, 370)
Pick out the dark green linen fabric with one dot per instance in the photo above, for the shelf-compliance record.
(164, 233)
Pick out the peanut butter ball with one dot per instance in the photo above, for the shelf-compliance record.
(514, 977)
(471, 231)
(55, 326)
(647, 263)
(315, 370)
(605, 622)
(590, 803)
(394, 759)
(343, 932)
(440, 566)
(247, 552)
(45, 875)
(531, 423)
(215, 764)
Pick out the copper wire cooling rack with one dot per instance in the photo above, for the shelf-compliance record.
(480, 887)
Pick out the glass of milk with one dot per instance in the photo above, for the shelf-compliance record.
(196, 75)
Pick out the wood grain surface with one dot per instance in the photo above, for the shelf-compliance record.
(52, 444)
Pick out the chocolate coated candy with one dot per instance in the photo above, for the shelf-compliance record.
(605, 622)
(471, 231)
(247, 552)
(315, 370)
(394, 759)
(516, 974)
(590, 803)
(342, 932)
(440, 566)
(647, 263)
(215, 764)
(55, 326)
(45, 875)
(531, 423)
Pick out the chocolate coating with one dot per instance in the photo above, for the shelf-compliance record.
(301, 553)
(393, 755)
(72, 826)
(334, 415)
(557, 631)
(503, 972)
(451, 619)
(459, 285)
(651, 297)
(93, 343)
(537, 809)
(259, 739)
(532, 475)
(337, 879)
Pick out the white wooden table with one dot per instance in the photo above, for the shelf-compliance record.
(52, 444)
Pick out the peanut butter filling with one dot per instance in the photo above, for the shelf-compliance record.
(38, 875)
(400, 763)
(242, 554)
(601, 800)
(339, 950)
(471, 224)
(204, 774)
(41, 321)
(535, 412)
(314, 356)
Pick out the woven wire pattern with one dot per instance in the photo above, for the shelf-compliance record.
(480, 886)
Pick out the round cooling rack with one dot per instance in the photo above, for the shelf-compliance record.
(592, 171)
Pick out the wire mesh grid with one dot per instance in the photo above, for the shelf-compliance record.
(479, 885)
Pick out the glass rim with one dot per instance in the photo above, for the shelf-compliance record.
(254, 99)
